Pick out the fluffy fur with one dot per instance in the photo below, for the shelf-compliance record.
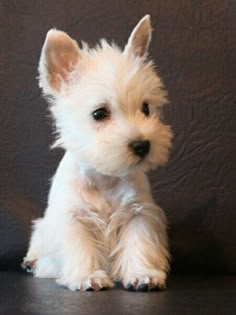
(101, 222)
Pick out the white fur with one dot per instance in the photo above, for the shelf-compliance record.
(101, 221)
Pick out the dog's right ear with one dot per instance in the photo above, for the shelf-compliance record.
(140, 38)
(59, 57)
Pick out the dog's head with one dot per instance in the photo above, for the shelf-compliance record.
(105, 101)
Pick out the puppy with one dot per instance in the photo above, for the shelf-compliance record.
(101, 223)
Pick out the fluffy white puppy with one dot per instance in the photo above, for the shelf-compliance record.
(101, 223)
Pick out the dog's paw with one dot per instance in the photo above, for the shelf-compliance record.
(28, 265)
(155, 280)
(40, 268)
(95, 281)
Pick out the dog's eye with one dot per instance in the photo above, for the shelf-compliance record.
(100, 114)
(145, 109)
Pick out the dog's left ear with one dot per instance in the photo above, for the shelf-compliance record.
(59, 57)
(140, 38)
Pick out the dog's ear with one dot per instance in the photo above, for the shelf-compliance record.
(59, 57)
(140, 38)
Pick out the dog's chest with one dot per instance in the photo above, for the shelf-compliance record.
(106, 197)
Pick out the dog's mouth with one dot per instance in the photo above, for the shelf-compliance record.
(141, 160)
(141, 163)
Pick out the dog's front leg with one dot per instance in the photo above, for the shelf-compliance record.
(141, 254)
(83, 255)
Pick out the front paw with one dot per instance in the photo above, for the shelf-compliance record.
(94, 281)
(146, 281)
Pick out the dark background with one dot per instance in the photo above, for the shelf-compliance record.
(194, 45)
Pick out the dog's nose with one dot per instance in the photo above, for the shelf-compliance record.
(140, 148)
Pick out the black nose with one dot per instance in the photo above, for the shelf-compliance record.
(140, 148)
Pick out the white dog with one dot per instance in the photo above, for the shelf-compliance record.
(101, 223)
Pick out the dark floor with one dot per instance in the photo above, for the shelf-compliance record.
(23, 294)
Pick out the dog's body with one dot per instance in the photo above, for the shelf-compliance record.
(101, 222)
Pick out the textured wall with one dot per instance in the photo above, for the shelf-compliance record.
(194, 45)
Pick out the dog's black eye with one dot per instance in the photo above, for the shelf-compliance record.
(145, 109)
(100, 114)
